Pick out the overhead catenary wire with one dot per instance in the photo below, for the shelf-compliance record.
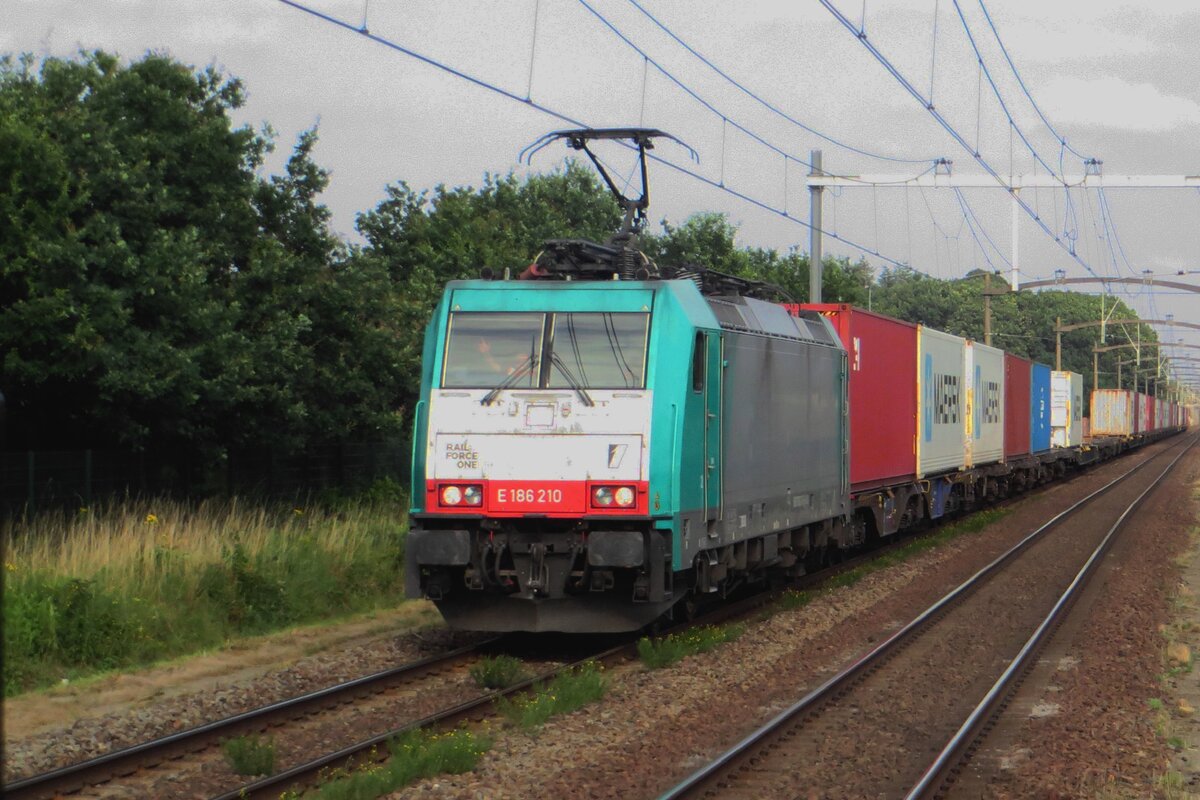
(968, 215)
(726, 119)
(562, 117)
(1021, 83)
(951, 130)
(1000, 98)
(774, 109)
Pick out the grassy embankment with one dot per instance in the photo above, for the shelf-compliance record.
(98, 589)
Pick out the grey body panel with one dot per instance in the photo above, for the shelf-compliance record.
(784, 423)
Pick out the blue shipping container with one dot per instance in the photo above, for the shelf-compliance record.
(1039, 419)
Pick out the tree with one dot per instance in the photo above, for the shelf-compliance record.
(126, 199)
(156, 290)
(709, 239)
(424, 239)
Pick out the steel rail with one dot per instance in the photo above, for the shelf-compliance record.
(126, 761)
(710, 774)
(309, 773)
(939, 771)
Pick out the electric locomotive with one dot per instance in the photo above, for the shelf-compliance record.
(604, 438)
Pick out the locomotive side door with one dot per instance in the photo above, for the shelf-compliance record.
(714, 376)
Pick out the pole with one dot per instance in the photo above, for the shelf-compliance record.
(1058, 344)
(1016, 207)
(1103, 318)
(1120, 363)
(1095, 370)
(814, 232)
(987, 309)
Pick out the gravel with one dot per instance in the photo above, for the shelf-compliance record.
(93, 736)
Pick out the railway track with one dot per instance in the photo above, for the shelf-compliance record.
(161, 754)
(902, 720)
(128, 761)
(165, 753)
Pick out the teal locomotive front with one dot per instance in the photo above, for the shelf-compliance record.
(545, 476)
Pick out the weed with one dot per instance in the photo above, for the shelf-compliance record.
(568, 691)
(414, 755)
(1171, 786)
(498, 672)
(1155, 704)
(657, 653)
(87, 592)
(250, 755)
(792, 600)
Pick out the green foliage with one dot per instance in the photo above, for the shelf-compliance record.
(498, 672)
(424, 239)
(567, 692)
(792, 600)
(1022, 323)
(250, 755)
(658, 653)
(414, 755)
(156, 289)
(709, 239)
(134, 610)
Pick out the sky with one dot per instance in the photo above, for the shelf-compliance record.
(1119, 81)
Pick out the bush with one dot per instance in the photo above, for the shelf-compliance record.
(657, 653)
(250, 755)
(414, 755)
(568, 691)
(498, 672)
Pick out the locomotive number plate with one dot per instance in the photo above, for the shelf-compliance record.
(544, 497)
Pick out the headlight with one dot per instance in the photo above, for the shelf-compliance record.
(469, 495)
(614, 496)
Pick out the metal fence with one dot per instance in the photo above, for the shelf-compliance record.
(31, 480)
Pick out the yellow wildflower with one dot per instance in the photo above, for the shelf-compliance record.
(10, 566)
(151, 519)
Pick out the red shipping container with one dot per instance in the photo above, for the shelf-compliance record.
(882, 357)
(1018, 400)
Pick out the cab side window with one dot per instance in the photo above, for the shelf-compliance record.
(698, 360)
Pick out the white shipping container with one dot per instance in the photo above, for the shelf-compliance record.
(985, 404)
(941, 402)
(1112, 412)
(1066, 409)
(1143, 413)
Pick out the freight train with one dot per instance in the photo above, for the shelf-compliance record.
(604, 440)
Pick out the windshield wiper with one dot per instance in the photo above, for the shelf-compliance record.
(527, 365)
(572, 381)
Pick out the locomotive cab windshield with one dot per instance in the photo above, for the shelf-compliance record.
(554, 350)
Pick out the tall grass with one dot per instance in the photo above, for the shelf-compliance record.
(144, 580)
